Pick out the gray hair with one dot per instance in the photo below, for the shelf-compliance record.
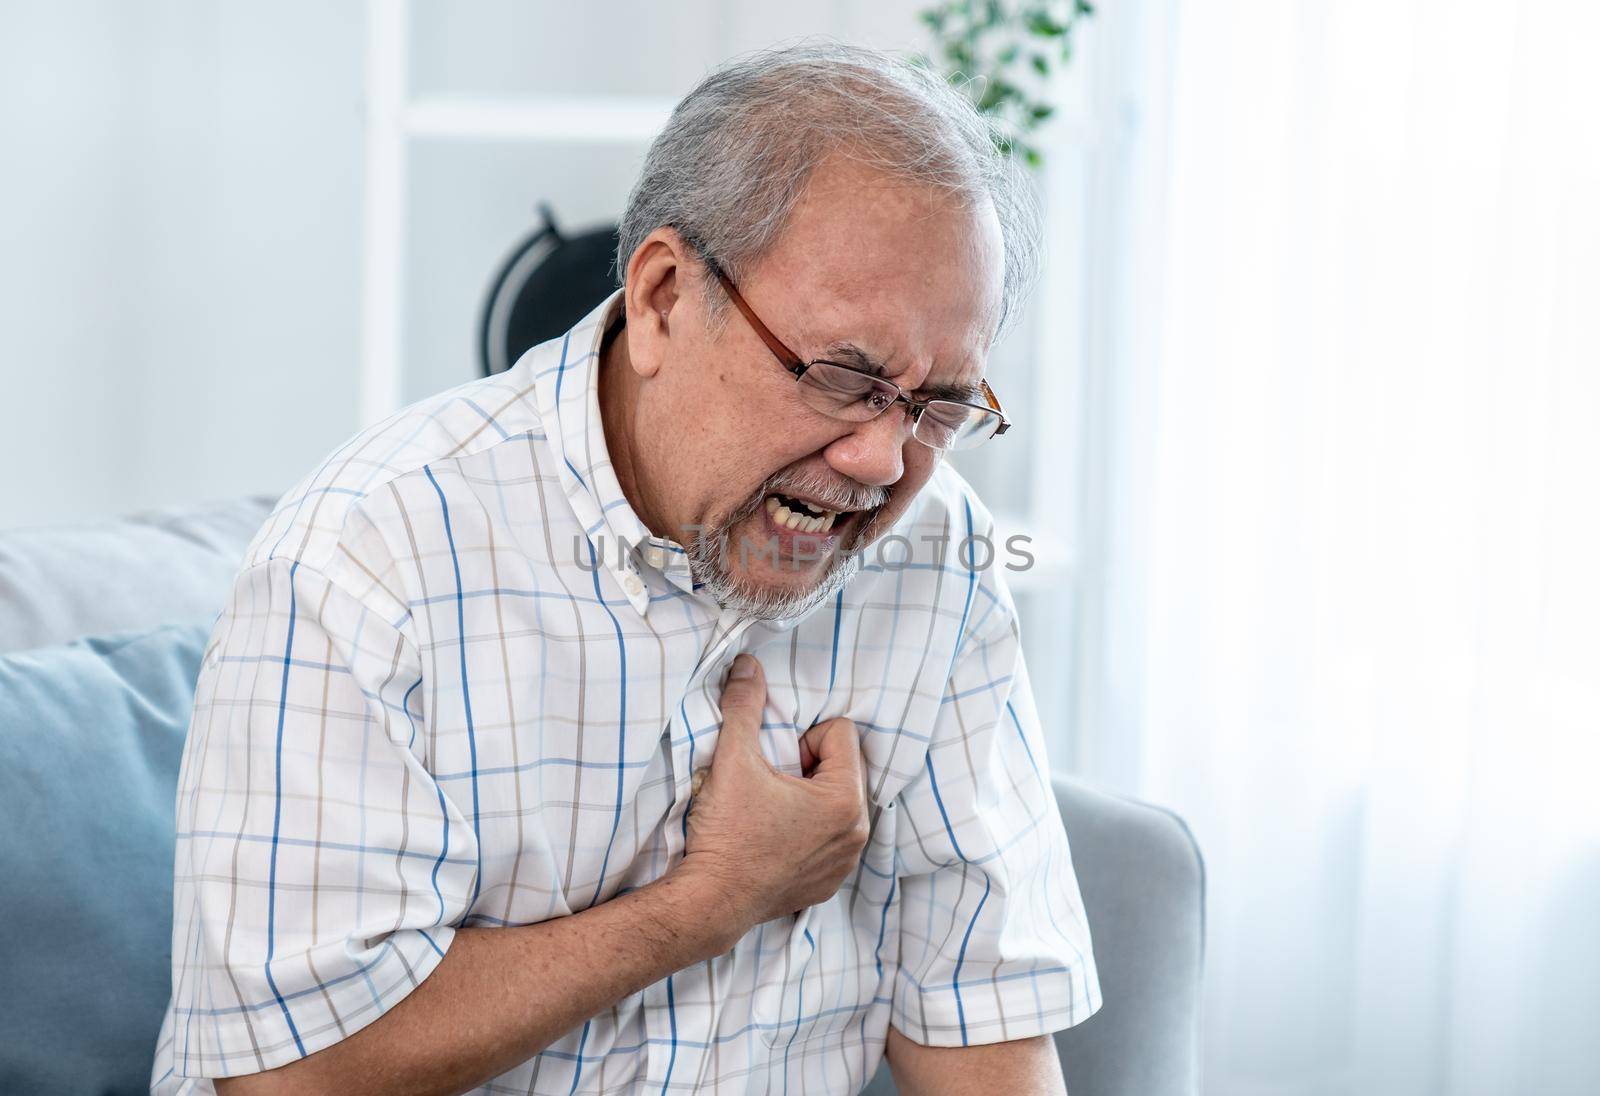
(737, 152)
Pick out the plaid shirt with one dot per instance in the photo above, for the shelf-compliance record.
(459, 683)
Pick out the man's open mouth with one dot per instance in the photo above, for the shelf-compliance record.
(803, 515)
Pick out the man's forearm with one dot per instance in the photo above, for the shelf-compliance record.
(500, 996)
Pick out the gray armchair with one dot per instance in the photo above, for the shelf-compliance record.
(1139, 868)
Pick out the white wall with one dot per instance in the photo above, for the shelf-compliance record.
(181, 220)
(179, 249)
(63, 227)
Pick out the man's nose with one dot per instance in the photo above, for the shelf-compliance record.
(874, 452)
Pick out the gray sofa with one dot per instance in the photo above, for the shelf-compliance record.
(105, 827)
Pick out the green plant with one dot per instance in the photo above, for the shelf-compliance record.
(1000, 53)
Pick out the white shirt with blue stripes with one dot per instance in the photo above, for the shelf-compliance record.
(458, 683)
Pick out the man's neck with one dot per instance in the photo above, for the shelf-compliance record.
(619, 401)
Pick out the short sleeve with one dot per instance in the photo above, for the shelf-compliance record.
(994, 945)
(319, 867)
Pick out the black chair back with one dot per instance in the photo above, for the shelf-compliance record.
(547, 283)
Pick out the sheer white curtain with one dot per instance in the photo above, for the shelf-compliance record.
(1353, 620)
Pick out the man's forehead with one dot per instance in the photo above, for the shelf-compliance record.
(859, 224)
(904, 282)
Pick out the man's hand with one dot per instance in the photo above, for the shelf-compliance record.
(771, 842)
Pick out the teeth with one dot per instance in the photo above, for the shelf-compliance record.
(801, 523)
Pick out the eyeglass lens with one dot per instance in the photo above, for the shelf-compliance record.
(854, 396)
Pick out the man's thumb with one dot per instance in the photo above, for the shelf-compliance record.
(744, 695)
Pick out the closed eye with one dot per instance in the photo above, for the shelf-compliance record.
(843, 382)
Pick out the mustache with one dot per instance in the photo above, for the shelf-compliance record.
(818, 488)
(836, 496)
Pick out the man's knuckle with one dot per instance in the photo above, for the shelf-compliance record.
(738, 694)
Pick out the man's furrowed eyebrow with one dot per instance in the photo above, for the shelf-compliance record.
(848, 353)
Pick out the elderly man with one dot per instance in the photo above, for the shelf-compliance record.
(563, 733)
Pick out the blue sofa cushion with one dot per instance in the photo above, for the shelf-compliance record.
(91, 735)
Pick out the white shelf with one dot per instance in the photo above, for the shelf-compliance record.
(588, 118)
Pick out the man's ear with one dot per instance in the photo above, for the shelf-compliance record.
(655, 286)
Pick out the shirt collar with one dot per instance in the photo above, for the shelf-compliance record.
(566, 380)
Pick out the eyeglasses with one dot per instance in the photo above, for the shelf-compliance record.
(854, 395)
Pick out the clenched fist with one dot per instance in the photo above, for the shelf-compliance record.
(766, 842)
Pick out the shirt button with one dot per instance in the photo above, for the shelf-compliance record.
(654, 556)
(632, 584)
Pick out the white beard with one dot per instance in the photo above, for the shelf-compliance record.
(710, 562)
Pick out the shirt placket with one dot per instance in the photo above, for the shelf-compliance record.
(677, 1033)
